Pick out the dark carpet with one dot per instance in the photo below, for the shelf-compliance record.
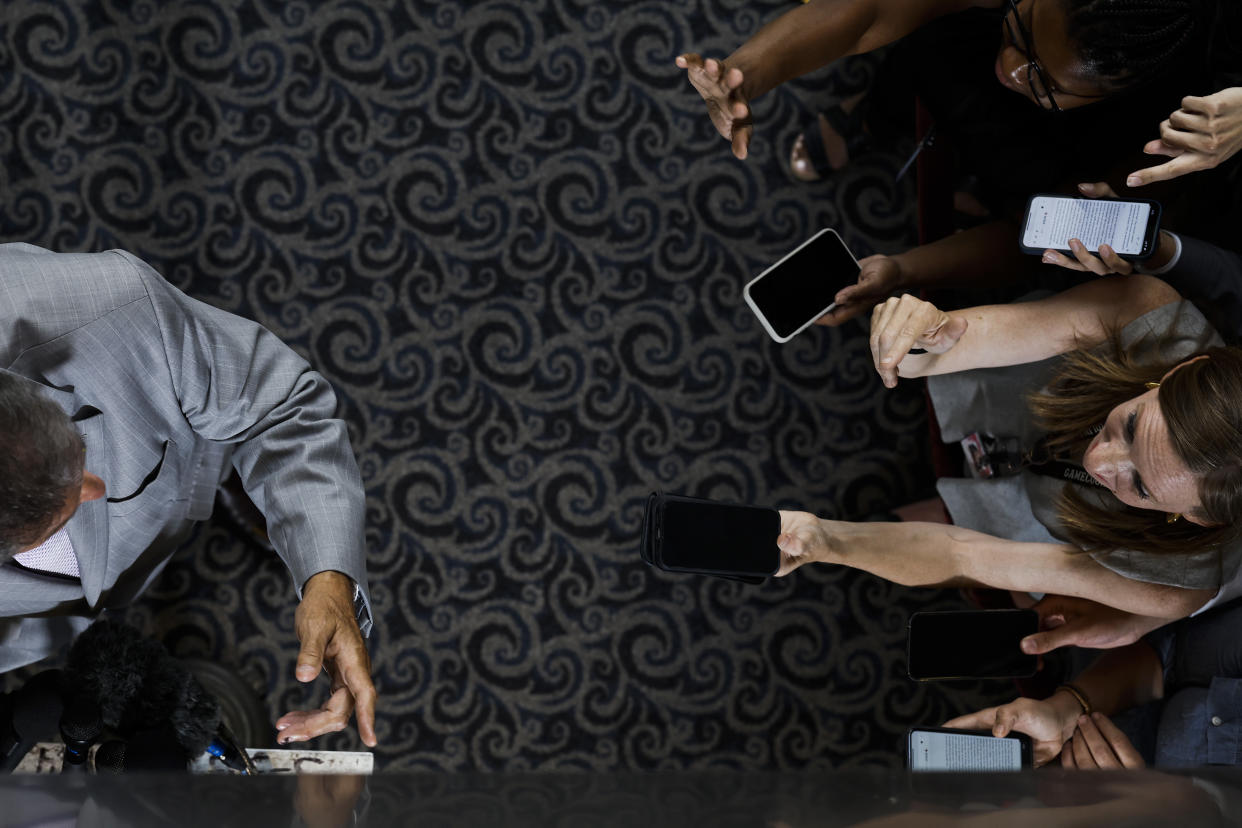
(509, 236)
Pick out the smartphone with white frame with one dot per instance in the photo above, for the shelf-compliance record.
(1131, 227)
(969, 751)
(790, 295)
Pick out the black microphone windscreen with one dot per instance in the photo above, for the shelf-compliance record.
(109, 660)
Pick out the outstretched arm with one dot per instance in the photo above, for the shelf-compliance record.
(803, 39)
(932, 554)
(992, 336)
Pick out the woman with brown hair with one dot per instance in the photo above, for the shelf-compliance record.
(1123, 418)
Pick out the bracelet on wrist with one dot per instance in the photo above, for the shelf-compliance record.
(1079, 696)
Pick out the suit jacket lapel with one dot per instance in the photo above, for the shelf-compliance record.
(88, 528)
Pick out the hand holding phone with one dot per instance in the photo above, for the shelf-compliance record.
(790, 295)
(1130, 227)
(947, 749)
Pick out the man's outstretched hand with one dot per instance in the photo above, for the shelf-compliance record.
(721, 89)
(331, 640)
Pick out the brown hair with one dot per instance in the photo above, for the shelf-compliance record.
(1202, 404)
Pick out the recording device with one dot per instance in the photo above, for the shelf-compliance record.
(80, 727)
(790, 295)
(145, 694)
(37, 709)
(1131, 227)
(706, 537)
(947, 749)
(970, 644)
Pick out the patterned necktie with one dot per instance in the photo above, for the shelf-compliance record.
(54, 556)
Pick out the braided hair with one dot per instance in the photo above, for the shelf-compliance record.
(1126, 43)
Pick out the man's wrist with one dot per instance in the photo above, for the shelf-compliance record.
(1067, 708)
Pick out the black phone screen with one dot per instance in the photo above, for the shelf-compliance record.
(703, 535)
(971, 644)
(803, 285)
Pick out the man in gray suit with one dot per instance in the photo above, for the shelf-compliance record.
(123, 404)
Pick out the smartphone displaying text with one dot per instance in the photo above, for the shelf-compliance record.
(943, 749)
(790, 295)
(1130, 228)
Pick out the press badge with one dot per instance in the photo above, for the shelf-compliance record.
(989, 456)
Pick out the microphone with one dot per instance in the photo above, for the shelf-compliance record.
(37, 707)
(148, 750)
(140, 687)
(80, 726)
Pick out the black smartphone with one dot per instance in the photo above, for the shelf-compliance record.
(790, 295)
(1130, 227)
(947, 749)
(690, 534)
(970, 644)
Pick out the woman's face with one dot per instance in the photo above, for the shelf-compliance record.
(1133, 456)
(1070, 84)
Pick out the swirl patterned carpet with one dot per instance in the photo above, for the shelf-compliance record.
(508, 235)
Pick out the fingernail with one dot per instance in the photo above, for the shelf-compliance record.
(281, 726)
(1096, 715)
(886, 360)
(1028, 646)
(1086, 188)
(1082, 719)
(1133, 181)
(782, 542)
(1050, 258)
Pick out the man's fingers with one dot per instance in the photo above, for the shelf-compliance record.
(688, 60)
(1042, 643)
(310, 657)
(741, 140)
(1087, 259)
(1158, 147)
(1120, 743)
(733, 79)
(1115, 263)
(1055, 258)
(1067, 756)
(1101, 751)
(1182, 164)
(357, 678)
(843, 312)
(1188, 121)
(301, 725)
(1082, 753)
(1006, 718)
(979, 720)
(1097, 189)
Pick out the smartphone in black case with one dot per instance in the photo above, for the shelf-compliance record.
(690, 534)
(970, 644)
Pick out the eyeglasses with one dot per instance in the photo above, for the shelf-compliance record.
(1038, 82)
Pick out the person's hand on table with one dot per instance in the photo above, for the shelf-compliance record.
(1065, 620)
(721, 89)
(331, 640)
(1050, 723)
(1098, 744)
(1204, 133)
(878, 277)
(905, 322)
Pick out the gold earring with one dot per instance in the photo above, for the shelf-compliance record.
(1173, 517)
(1151, 385)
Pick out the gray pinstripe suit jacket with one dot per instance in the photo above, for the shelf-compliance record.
(167, 391)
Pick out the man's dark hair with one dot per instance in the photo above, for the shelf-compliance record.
(41, 461)
(1130, 42)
